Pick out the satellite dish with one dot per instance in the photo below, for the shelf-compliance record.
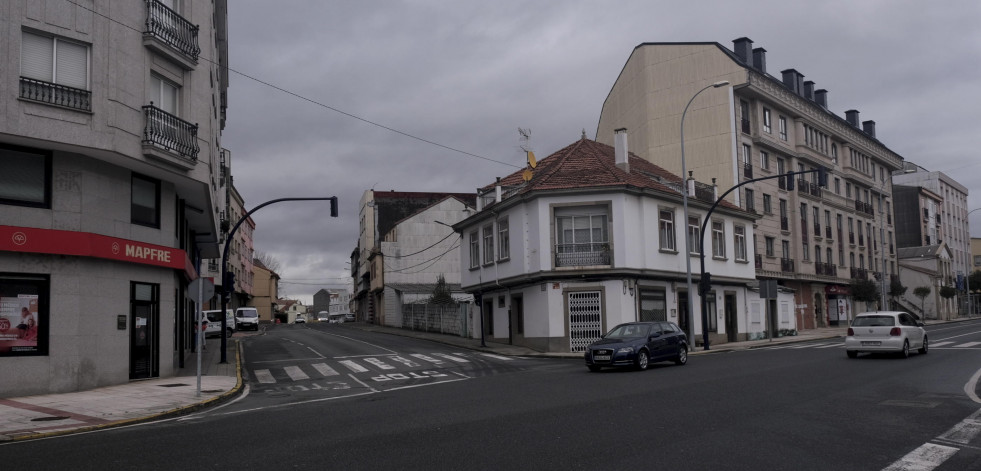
(526, 175)
(531, 160)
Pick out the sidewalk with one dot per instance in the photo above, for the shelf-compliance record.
(25, 418)
(32, 417)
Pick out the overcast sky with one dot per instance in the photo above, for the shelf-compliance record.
(466, 74)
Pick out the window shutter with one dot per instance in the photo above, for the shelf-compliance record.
(36, 57)
(72, 65)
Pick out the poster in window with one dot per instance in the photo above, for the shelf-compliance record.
(19, 324)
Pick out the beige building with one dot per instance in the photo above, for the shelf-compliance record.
(265, 291)
(813, 240)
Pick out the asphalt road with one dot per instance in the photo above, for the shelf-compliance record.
(798, 407)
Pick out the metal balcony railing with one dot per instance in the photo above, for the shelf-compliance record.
(786, 265)
(745, 125)
(827, 232)
(782, 183)
(817, 230)
(171, 28)
(859, 274)
(759, 261)
(863, 207)
(747, 170)
(851, 238)
(784, 223)
(825, 269)
(165, 130)
(576, 255)
(54, 94)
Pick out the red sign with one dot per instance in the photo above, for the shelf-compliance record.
(85, 244)
(837, 289)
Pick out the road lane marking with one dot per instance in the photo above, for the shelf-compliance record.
(926, 457)
(815, 345)
(379, 363)
(264, 376)
(353, 366)
(295, 373)
(491, 355)
(324, 370)
(968, 344)
(451, 357)
(406, 362)
(940, 344)
(833, 345)
(427, 358)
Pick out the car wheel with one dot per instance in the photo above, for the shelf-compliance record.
(926, 346)
(594, 368)
(230, 333)
(905, 352)
(852, 354)
(682, 357)
(642, 360)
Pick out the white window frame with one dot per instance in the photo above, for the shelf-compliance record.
(474, 249)
(665, 229)
(159, 88)
(767, 123)
(694, 238)
(718, 239)
(783, 128)
(488, 246)
(503, 240)
(764, 160)
(54, 66)
(739, 236)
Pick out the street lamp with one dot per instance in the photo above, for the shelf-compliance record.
(684, 203)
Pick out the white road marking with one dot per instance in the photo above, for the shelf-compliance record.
(427, 358)
(940, 344)
(295, 373)
(405, 361)
(968, 344)
(353, 366)
(451, 358)
(926, 457)
(379, 363)
(264, 376)
(499, 357)
(324, 370)
(836, 344)
(809, 345)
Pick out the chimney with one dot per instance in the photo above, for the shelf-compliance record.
(852, 117)
(620, 149)
(759, 59)
(821, 97)
(497, 191)
(809, 90)
(743, 47)
(869, 127)
(794, 80)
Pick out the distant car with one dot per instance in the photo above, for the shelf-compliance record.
(886, 331)
(337, 318)
(213, 327)
(638, 344)
(349, 317)
(323, 316)
(300, 320)
(246, 318)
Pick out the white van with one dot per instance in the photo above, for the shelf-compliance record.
(213, 326)
(247, 318)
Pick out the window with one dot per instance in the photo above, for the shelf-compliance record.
(817, 254)
(711, 310)
(666, 229)
(145, 208)
(769, 245)
(25, 302)
(767, 204)
(747, 154)
(653, 305)
(694, 238)
(488, 233)
(848, 190)
(582, 236)
(163, 95)
(785, 248)
(750, 200)
(783, 128)
(55, 71)
(744, 115)
(474, 250)
(805, 252)
(837, 186)
(718, 239)
(503, 242)
(26, 177)
(766, 120)
(803, 213)
(828, 256)
(740, 242)
(764, 160)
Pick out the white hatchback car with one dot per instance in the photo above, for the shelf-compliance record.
(885, 331)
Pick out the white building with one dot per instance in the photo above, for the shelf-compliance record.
(594, 239)
(110, 166)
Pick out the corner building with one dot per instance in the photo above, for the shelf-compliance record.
(810, 239)
(110, 123)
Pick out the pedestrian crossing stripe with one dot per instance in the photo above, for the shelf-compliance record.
(427, 358)
(353, 366)
(379, 363)
(405, 361)
(324, 370)
(498, 357)
(295, 373)
(941, 344)
(452, 358)
(264, 376)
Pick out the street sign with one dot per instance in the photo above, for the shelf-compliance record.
(768, 289)
(208, 289)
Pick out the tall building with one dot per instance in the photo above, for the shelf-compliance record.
(810, 239)
(110, 139)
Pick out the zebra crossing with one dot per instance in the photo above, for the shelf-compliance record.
(381, 363)
(952, 345)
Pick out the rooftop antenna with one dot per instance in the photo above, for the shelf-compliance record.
(524, 141)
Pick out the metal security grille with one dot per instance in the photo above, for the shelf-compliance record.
(585, 319)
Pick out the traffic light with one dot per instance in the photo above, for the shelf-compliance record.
(228, 284)
(790, 181)
(333, 207)
(823, 177)
(705, 284)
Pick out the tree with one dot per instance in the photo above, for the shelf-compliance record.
(267, 260)
(865, 291)
(975, 281)
(922, 292)
(896, 288)
(441, 294)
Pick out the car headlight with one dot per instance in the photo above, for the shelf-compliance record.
(625, 350)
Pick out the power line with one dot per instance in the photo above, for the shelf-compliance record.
(324, 105)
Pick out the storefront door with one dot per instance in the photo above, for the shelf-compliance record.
(144, 344)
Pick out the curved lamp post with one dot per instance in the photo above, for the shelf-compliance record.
(684, 203)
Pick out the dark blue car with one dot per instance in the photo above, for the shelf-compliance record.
(638, 344)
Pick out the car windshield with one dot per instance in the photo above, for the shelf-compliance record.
(248, 314)
(874, 321)
(629, 331)
(213, 316)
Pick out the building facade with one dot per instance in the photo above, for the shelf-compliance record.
(812, 240)
(110, 141)
(265, 291)
(593, 238)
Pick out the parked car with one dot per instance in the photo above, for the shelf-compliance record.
(213, 326)
(886, 331)
(246, 318)
(348, 317)
(638, 344)
(300, 319)
(337, 318)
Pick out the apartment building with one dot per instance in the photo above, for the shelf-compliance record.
(810, 239)
(110, 139)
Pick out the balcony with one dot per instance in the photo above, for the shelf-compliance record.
(759, 261)
(817, 230)
(864, 207)
(782, 183)
(859, 274)
(54, 94)
(581, 255)
(827, 232)
(851, 238)
(861, 240)
(803, 230)
(786, 265)
(745, 125)
(805, 187)
(825, 269)
(168, 33)
(784, 223)
(169, 138)
(747, 170)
